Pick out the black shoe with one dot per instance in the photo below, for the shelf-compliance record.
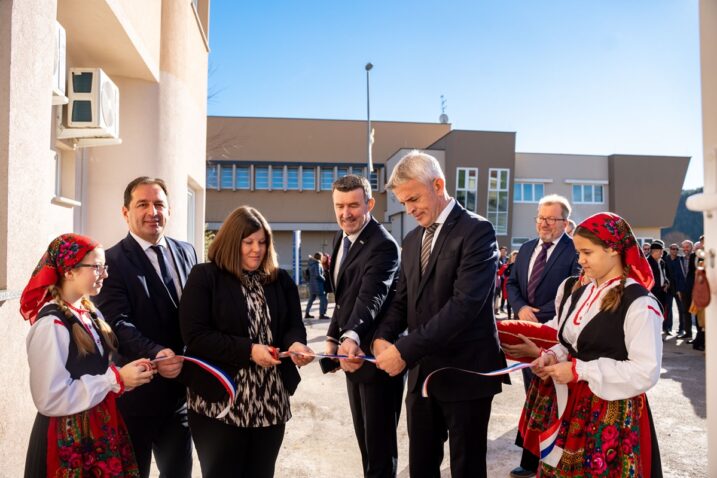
(684, 336)
(701, 348)
(521, 472)
(324, 317)
(691, 341)
(308, 316)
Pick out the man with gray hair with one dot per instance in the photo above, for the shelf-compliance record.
(541, 266)
(445, 299)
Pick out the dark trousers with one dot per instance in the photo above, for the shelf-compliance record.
(667, 304)
(431, 421)
(226, 451)
(375, 409)
(687, 324)
(323, 303)
(168, 437)
(681, 312)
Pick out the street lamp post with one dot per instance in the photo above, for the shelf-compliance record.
(369, 139)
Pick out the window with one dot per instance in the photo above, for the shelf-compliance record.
(292, 178)
(528, 192)
(212, 177)
(587, 194)
(341, 172)
(373, 179)
(498, 180)
(227, 177)
(242, 177)
(277, 178)
(516, 242)
(467, 188)
(327, 179)
(308, 179)
(261, 177)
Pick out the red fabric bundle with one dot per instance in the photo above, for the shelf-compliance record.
(542, 335)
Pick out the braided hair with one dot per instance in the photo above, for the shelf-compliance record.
(82, 338)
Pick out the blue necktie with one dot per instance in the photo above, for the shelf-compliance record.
(345, 253)
(166, 276)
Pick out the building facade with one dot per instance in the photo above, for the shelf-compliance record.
(70, 141)
(285, 168)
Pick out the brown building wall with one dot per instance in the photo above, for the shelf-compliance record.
(645, 190)
(482, 150)
(310, 140)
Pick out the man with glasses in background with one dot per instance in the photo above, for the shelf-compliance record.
(541, 266)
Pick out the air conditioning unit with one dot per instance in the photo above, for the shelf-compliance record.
(59, 73)
(93, 108)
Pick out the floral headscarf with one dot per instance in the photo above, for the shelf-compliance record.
(616, 233)
(63, 253)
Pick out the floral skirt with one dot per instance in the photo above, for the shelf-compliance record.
(599, 438)
(92, 443)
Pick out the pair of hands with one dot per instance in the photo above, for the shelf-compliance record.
(141, 371)
(388, 358)
(261, 355)
(348, 347)
(547, 366)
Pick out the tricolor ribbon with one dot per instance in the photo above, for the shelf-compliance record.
(494, 373)
(549, 452)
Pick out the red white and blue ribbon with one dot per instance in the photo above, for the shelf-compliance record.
(217, 373)
(550, 453)
(494, 373)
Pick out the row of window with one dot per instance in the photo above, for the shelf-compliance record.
(282, 178)
(498, 188)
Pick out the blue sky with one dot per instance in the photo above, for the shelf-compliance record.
(588, 77)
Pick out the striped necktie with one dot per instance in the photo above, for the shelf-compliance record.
(537, 272)
(426, 245)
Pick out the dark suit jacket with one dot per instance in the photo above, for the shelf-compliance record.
(448, 310)
(562, 263)
(215, 324)
(677, 276)
(657, 290)
(137, 305)
(364, 288)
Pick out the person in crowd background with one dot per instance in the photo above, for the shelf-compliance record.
(317, 287)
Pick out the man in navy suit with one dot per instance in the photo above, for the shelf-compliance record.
(140, 299)
(364, 274)
(445, 298)
(541, 266)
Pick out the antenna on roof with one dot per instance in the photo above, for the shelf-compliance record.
(444, 117)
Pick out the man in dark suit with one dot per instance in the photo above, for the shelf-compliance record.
(363, 275)
(687, 265)
(445, 298)
(678, 284)
(662, 281)
(541, 266)
(140, 299)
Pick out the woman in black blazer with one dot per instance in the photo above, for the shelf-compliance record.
(233, 310)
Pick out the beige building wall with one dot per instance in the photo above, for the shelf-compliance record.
(156, 53)
(558, 173)
(708, 203)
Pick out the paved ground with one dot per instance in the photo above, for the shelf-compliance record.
(320, 443)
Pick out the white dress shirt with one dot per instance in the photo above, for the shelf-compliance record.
(168, 259)
(442, 217)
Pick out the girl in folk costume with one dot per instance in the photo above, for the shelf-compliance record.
(78, 430)
(609, 353)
